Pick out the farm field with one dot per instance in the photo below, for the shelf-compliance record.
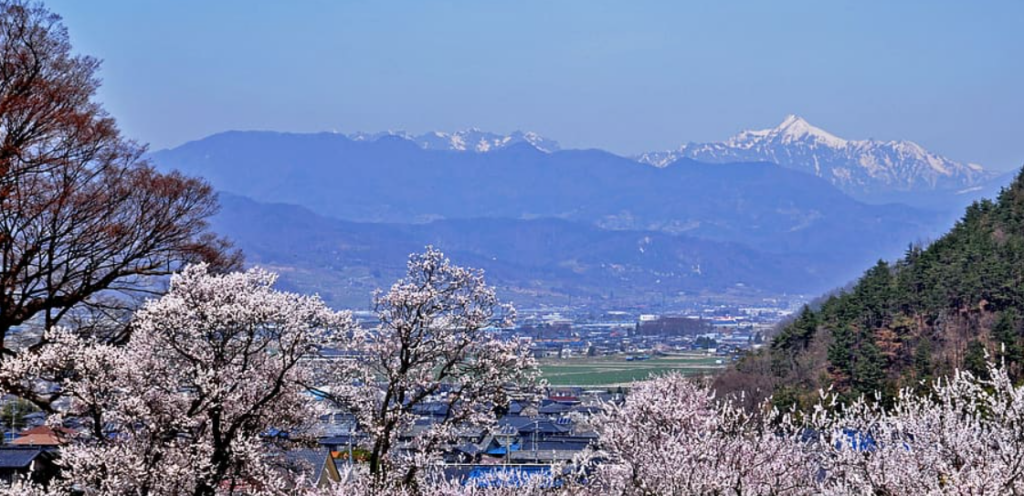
(616, 371)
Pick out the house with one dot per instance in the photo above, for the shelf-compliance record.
(26, 461)
(549, 451)
(321, 468)
(465, 453)
(43, 436)
(340, 443)
(554, 409)
(543, 428)
(307, 465)
(34, 419)
(515, 408)
(431, 409)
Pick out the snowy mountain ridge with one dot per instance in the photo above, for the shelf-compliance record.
(472, 139)
(855, 166)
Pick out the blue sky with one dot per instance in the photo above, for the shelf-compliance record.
(623, 76)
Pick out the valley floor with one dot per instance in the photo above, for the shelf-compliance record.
(615, 371)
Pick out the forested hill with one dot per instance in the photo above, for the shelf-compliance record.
(935, 310)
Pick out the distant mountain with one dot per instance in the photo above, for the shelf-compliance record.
(867, 169)
(471, 140)
(392, 179)
(530, 261)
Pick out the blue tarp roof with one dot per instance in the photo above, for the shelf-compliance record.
(500, 450)
(506, 476)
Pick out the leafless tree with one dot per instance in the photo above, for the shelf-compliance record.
(85, 221)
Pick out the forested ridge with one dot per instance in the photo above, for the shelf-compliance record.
(939, 308)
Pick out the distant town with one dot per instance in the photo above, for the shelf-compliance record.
(583, 346)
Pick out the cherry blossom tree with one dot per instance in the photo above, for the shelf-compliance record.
(670, 436)
(435, 343)
(181, 408)
(965, 436)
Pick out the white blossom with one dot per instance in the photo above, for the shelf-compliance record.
(435, 343)
(180, 409)
(964, 436)
(670, 436)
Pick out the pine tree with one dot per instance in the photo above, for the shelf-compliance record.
(869, 370)
(875, 295)
(840, 355)
(797, 335)
(923, 362)
(975, 360)
(1007, 340)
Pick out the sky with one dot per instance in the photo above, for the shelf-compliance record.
(623, 76)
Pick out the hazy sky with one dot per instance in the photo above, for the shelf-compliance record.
(626, 76)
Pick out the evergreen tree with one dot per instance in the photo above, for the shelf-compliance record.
(923, 362)
(1007, 339)
(974, 359)
(869, 370)
(874, 296)
(840, 354)
(799, 333)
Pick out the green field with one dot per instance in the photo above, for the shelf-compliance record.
(616, 371)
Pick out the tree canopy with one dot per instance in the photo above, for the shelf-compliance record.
(85, 222)
(938, 309)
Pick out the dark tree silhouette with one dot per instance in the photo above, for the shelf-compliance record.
(85, 222)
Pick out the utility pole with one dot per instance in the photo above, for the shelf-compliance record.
(350, 448)
(535, 427)
(14, 414)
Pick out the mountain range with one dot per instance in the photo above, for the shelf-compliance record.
(472, 140)
(531, 262)
(394, 180)
(895, 171)
(789, 231)
(870, 170)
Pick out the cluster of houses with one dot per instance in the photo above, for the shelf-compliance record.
(31, 450)
(648, 334)
(531, 436)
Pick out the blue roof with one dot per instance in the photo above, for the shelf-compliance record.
(856, 440)
(18, 457)
(500, 450)
(505, 476)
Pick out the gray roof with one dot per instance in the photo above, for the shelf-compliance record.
(309, 462)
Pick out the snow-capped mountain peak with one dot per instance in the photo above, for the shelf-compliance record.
(472, 139)
(792, 129)
(856, 166)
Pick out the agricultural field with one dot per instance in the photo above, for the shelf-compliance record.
(616, 371)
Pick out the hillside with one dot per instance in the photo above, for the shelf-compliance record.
(935, 310)
(547, 261)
